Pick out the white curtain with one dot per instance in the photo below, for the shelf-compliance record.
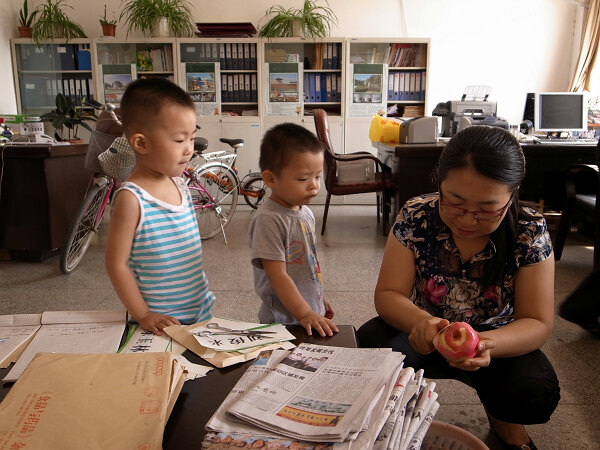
(590, 43)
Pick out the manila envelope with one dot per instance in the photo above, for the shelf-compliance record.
(91, 401)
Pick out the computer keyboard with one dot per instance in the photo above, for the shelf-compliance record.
(568, 141)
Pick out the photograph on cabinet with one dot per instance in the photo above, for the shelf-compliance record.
(367, 88)
(114, 86)
(283, 87)
(202, 86)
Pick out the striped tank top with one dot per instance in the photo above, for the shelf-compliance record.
(166, 257)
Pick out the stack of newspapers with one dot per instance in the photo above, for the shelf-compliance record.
(317, 397)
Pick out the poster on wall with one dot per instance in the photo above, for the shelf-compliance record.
(202, 83)
(284, 87)
(368, 94)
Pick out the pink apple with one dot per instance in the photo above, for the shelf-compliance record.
(457, 342)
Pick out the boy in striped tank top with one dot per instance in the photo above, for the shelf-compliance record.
(153, 253)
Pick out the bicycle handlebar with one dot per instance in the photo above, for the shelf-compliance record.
(108, 107)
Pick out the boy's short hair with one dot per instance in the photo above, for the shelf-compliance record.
(281, 141)
(143, 99)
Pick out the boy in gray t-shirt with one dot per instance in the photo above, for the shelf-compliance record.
(287, 276)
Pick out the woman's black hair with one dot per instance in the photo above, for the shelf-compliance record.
(496, 154)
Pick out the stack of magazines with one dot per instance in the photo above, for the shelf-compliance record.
(316, 397)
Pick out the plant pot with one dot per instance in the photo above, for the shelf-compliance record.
(109, 29)
(162, 28)
(297, 28)
(25, 32)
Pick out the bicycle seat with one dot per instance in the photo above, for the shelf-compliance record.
(235, 143)
(200, 144)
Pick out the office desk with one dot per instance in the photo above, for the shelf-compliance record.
(42, 188)
(413, 165)
(200, 398)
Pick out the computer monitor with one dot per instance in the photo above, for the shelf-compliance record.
(529, 111)
(560, 111)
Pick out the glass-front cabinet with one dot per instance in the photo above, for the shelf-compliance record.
(120, 62)
(43, 71)
(222, 77)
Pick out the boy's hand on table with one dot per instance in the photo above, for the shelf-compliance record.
(155, 322)
(322, 325)
(328, 309)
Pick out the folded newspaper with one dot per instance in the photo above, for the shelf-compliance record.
(317, 397)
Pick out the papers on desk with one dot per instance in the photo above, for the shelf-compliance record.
(222, 342)
(73, 332)
(348, 398)
(184, 335)
(107, 401)
(143, 341)
(16, 330)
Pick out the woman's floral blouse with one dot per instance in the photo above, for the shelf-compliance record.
(447, 287)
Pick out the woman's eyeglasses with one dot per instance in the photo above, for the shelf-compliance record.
(482, 216)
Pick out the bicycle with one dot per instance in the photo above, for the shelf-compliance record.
(89, 215)
(215, 186)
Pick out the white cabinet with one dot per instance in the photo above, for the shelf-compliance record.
(236, 86)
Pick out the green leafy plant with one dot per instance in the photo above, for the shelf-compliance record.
(105, 21)
(143, 15)
(66, 115)
(26, 18)
(53, 22)
(315, 20)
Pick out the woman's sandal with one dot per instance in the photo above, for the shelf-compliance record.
(529, 446)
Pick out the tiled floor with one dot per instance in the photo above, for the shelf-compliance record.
(350, 255)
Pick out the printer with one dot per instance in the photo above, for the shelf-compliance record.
(473, 110)
(419, 130)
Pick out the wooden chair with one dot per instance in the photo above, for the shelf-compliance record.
(381, 183)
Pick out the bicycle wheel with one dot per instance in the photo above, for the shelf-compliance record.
(214, 188)
(84, 226)
(255, 190)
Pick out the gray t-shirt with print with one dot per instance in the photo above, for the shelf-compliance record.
(281, 234)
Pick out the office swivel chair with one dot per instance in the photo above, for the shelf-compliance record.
(381, 184)
(582, 182)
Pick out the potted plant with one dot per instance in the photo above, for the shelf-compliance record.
(152, 16)
(109, 27)
(311, 20)
(26, 19)
(66, 116)
(53, 22)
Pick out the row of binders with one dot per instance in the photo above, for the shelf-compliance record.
(41, 91)
(239, 88)
(231, 56)
(55, 57)
(327, 56)
(406, 85)
(322, 87)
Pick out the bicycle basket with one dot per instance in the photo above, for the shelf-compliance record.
(118, 160)
(99, 142)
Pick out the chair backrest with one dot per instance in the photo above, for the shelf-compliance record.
(322, 127)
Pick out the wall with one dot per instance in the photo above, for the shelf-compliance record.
(512, 45)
